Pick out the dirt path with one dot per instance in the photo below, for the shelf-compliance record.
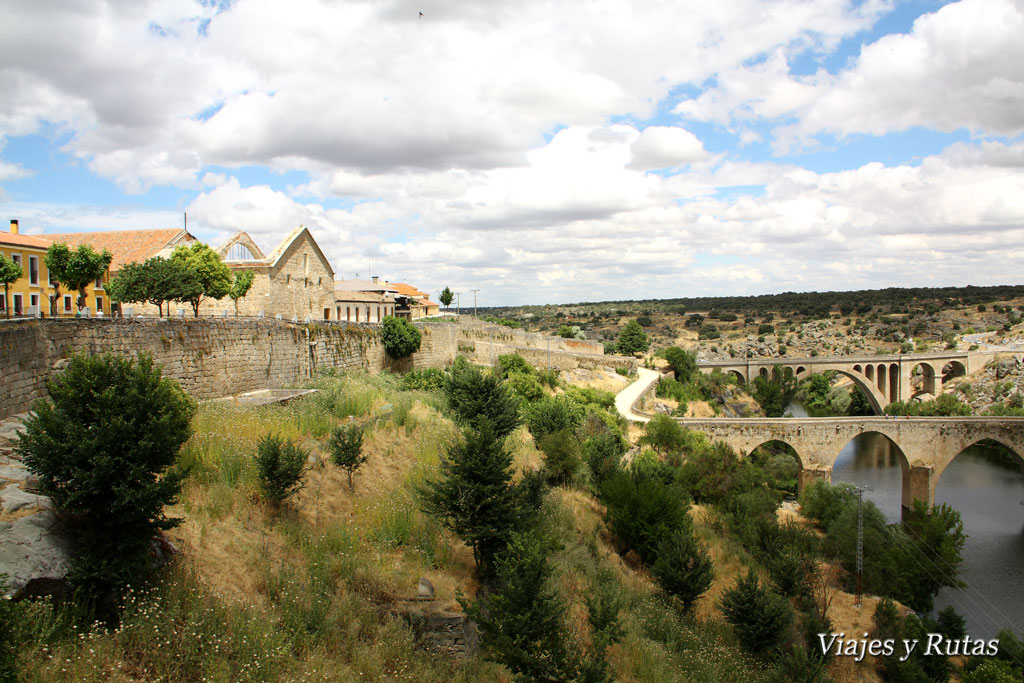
(624, 399)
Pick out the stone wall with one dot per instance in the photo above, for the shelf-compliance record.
(214, 357)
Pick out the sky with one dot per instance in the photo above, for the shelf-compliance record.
(538, 151)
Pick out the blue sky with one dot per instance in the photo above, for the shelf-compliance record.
(537, 151)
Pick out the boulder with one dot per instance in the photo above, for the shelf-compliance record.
(34, 556)
(13, 499)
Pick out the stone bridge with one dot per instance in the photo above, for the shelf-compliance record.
(883, 379)
(926, 445)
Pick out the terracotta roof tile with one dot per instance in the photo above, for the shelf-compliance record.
(127, 246)
(19, 240)
(407, 290)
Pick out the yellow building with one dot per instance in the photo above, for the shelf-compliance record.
(33, 293)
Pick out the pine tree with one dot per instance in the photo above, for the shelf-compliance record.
(346, 444)
(759, 616)
(632, 338)
(683, 568)
(475, 498)
(521, 620)
(474, 395)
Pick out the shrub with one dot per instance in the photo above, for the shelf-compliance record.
(683, 568)
(103, 445)
(603, 454)
(525, 386)
(280, 464)
(400, 337)
(512, 362)
(665, 435)
(8, 617)
(643, 510)
(346, 444)
(561, 456)
(759, 617)
(428, 379)
(553, 414)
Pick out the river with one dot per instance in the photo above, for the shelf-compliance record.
(988, 492)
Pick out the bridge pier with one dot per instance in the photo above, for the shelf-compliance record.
(810, 475)
(919, 484)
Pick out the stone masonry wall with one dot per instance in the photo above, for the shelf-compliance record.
(212, 357)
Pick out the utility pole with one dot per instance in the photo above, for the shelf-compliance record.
(474, 300)
(860, 543)
(458, 303)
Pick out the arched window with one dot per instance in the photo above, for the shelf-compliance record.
(240, 252)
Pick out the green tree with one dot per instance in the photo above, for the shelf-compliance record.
(759, 616)
(400, 337)
(474, 498)
(632, 339)
(643, 510)
(553, 414)
(155, 281)
(204, 263)
(280, 465)
(682, 362)
(562, 456)
(9, 273)
(474, 395)
(77, 268)
(521, 620)
(103, 445)
(240, 286)
(665, 435)
(447, 297)
(932, 557)
(683, 568)
(346, 444)
(775, 393)
(56, 259)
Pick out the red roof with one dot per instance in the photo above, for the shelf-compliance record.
(127, 246)
(19, 240)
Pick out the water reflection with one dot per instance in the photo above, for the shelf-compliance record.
(986, 488)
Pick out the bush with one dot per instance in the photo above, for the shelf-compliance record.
(280, 464)
(683, 568)
(8, 655)
(511, 363)
(346, 444)
(526, 387)
(759, 617)
(553, 414)
(643, 510)
(428, 379)
(603, 454)
(400, 337)
(561, 456)
(102, 445)
(665, 435)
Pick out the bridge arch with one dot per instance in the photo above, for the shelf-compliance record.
(789, 450)
(740, 379)
(892, 455)
(952, 369)
(875, 398)
(928, 378)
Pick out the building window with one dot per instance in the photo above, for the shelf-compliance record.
(3, 304)
(98, 284)
(49, 278)
(33, 302)
(357, 314)
(67, 303)
(16, 258)
(99, 304)
(240, 252)
(18, 304)
(327, 314)
(348, 313)
(33, 271)
(305, 265)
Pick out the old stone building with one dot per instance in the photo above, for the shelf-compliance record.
(293, 281)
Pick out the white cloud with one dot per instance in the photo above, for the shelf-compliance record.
(666, 146)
